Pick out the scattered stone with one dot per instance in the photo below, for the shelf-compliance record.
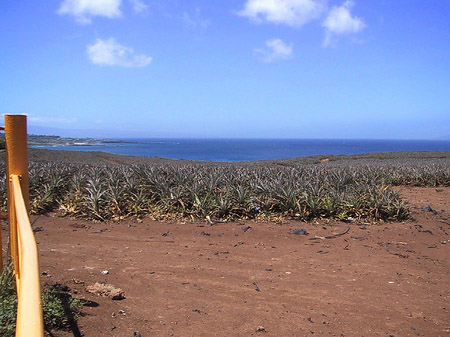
(256, 287)
(165, 234)
(106, 290)
(78, 281)
(300, 232)
(310, 320)
(360, 238)
(225, 252)
(421, 230)
(429, 209)
(260, 329)
(136, 334)
(105, 272)
(238, 244)
(246, 228)
(197, 311)
(205, 233)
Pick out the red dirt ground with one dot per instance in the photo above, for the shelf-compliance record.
(388, 279)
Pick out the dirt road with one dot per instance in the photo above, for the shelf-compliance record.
(259, 279)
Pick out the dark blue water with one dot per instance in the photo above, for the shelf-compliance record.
(255, 149)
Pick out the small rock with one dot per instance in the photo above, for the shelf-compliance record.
(38, 229)
(429, 209)
(260, 329)
(256, 286)
(77, 281)
(165, 234)
(300, 232)
(136, 334)
(105, 272)
(106, 290)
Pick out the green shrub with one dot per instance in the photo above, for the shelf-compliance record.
(8, 303)
(60, 309)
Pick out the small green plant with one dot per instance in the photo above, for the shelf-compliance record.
(8, 303)
(60, 309)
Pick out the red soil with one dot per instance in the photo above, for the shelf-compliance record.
(387, 279)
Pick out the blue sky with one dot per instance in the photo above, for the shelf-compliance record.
(236, 68)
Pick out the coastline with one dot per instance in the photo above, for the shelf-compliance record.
(241, 150)
(105, 158)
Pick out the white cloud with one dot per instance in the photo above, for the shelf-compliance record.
(110, 53)
(139, 6)
(195, 21)
(276, 50)
(341, 22)
(293, 13)
(84, 10)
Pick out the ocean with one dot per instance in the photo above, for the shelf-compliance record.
(254, 149)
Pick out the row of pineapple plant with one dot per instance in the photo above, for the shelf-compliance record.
(226, 191)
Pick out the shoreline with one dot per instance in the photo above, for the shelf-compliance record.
(102, 158)
(241, 151)
(91, 157)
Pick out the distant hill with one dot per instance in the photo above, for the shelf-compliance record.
(57, 140)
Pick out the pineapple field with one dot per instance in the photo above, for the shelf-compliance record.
(353, 187)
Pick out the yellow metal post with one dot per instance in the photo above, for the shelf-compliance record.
(23, 248)
(16, 164)
(30, 322)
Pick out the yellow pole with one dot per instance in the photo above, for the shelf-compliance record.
(30, 321)
(16, 164)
